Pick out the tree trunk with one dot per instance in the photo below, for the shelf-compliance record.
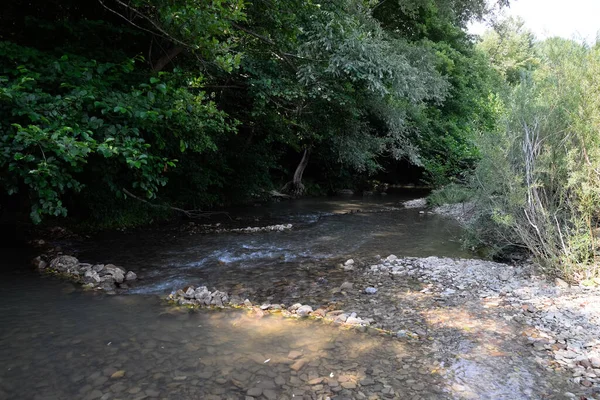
(295, 187)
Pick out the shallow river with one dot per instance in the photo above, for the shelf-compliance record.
(57, 342)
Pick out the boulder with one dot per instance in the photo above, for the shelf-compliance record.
(117, 273)
(65, 264)
(130, 276)
(92, 277)
(202, 295)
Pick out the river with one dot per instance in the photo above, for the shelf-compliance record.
(58, 342)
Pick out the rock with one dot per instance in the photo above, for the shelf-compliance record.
(595, 360)
(417, 203)
(202, 295)
(66, 264)
(92, 277)
(117, 273)
(349, 262)
(118, 374)
(130, 276)
(349, 385)
(341, 319)
(504, 275)
(294, 354)
(298, 365)
(96, 267)
(391, 258)
(353, 321)
(219, 298)
(346, 286)
(39, 263)
(247, 303)
(303, 311)
(254, 392)
(561, 283)
(370, 290)
(294, 307)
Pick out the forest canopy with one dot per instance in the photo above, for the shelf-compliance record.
(207, 103)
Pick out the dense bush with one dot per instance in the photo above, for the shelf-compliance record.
(538, 180)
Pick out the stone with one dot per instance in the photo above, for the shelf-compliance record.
(92, 277)
(298, 365)
(117, 273)
(130, 276)
(346, 286)
(254, 392)
(561, 283)
(303, 311)
(270, 394)
(118, 374)
(371, 290)
(349, 385)
(294, 354)
(595, 360)
(39, 263)
(95, 394)
(247, 303)
(66, 264)
(349, 262)
(504, 275)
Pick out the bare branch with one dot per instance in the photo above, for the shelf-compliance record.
(187, 213)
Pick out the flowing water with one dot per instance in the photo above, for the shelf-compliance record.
(57, 342)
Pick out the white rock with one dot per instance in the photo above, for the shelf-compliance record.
(303, 311)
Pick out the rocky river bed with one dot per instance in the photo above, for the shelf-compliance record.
(315, 326)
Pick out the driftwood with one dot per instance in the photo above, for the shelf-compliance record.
(187, 213)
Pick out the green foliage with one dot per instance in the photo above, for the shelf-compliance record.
(510, 48)
(59, 112)
(538, 180)
(228, 97)
(450, 194)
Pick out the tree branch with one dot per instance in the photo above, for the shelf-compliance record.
(187, 213)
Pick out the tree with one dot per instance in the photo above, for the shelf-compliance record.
(510, 47)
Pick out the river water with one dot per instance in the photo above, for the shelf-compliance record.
(57, 342)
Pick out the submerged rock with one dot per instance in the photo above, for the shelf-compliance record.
(371, 290)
